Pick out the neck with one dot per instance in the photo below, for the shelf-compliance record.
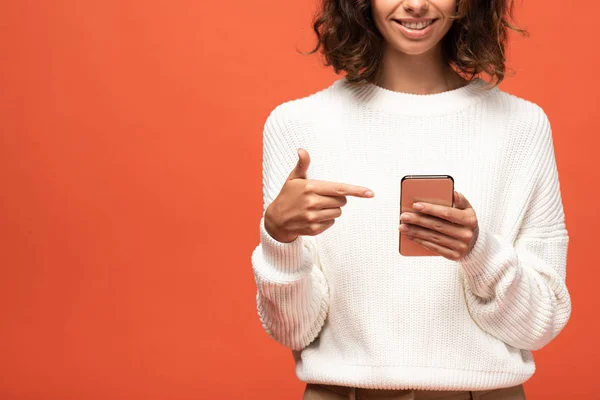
(426, 73)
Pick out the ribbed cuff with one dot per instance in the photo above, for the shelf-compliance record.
(474, 263)
(285, 257)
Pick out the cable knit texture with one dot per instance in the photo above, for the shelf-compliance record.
(353, 310)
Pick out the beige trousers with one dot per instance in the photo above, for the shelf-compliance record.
(331, 392)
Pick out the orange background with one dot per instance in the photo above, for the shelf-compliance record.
(130, 170)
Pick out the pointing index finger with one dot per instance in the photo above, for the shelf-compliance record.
(341, 189)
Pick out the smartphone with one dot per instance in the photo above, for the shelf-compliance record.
(436, 189)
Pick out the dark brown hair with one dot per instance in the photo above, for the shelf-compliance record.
(475, 43)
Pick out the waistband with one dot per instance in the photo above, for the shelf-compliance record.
(354, 393)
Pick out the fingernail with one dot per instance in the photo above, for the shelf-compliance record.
(369, 193)
(418, 206)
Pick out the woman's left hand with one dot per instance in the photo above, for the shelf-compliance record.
(449, 231)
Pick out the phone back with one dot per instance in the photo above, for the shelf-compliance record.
(436, 189)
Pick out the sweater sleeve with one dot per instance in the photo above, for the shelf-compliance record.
(517, 291)
(292, 293)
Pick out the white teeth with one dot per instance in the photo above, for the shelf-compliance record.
(416, 25)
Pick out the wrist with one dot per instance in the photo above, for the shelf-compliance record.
(280, 257)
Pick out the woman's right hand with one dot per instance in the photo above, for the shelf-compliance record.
(307, 206)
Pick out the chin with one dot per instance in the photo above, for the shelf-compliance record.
(413, 49)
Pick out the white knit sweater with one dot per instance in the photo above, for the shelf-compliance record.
(357, 313)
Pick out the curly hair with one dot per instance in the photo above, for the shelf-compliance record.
(475, 43)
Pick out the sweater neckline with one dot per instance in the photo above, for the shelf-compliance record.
(377, 97)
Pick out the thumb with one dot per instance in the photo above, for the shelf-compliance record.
(460, 201)
(301, 167)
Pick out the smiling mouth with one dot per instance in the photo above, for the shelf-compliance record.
(416, 26)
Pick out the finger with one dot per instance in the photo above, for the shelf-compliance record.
(464, 217)
(441, 250)
(324, 202)
(436, 224)
(325, 188)
(318, 227)
(460, 201)
(433, 237)
(324, 215)
(299, 171)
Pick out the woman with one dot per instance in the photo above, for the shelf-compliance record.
(362, 320)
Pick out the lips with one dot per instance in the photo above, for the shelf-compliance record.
(420, 28)
(415, 24)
